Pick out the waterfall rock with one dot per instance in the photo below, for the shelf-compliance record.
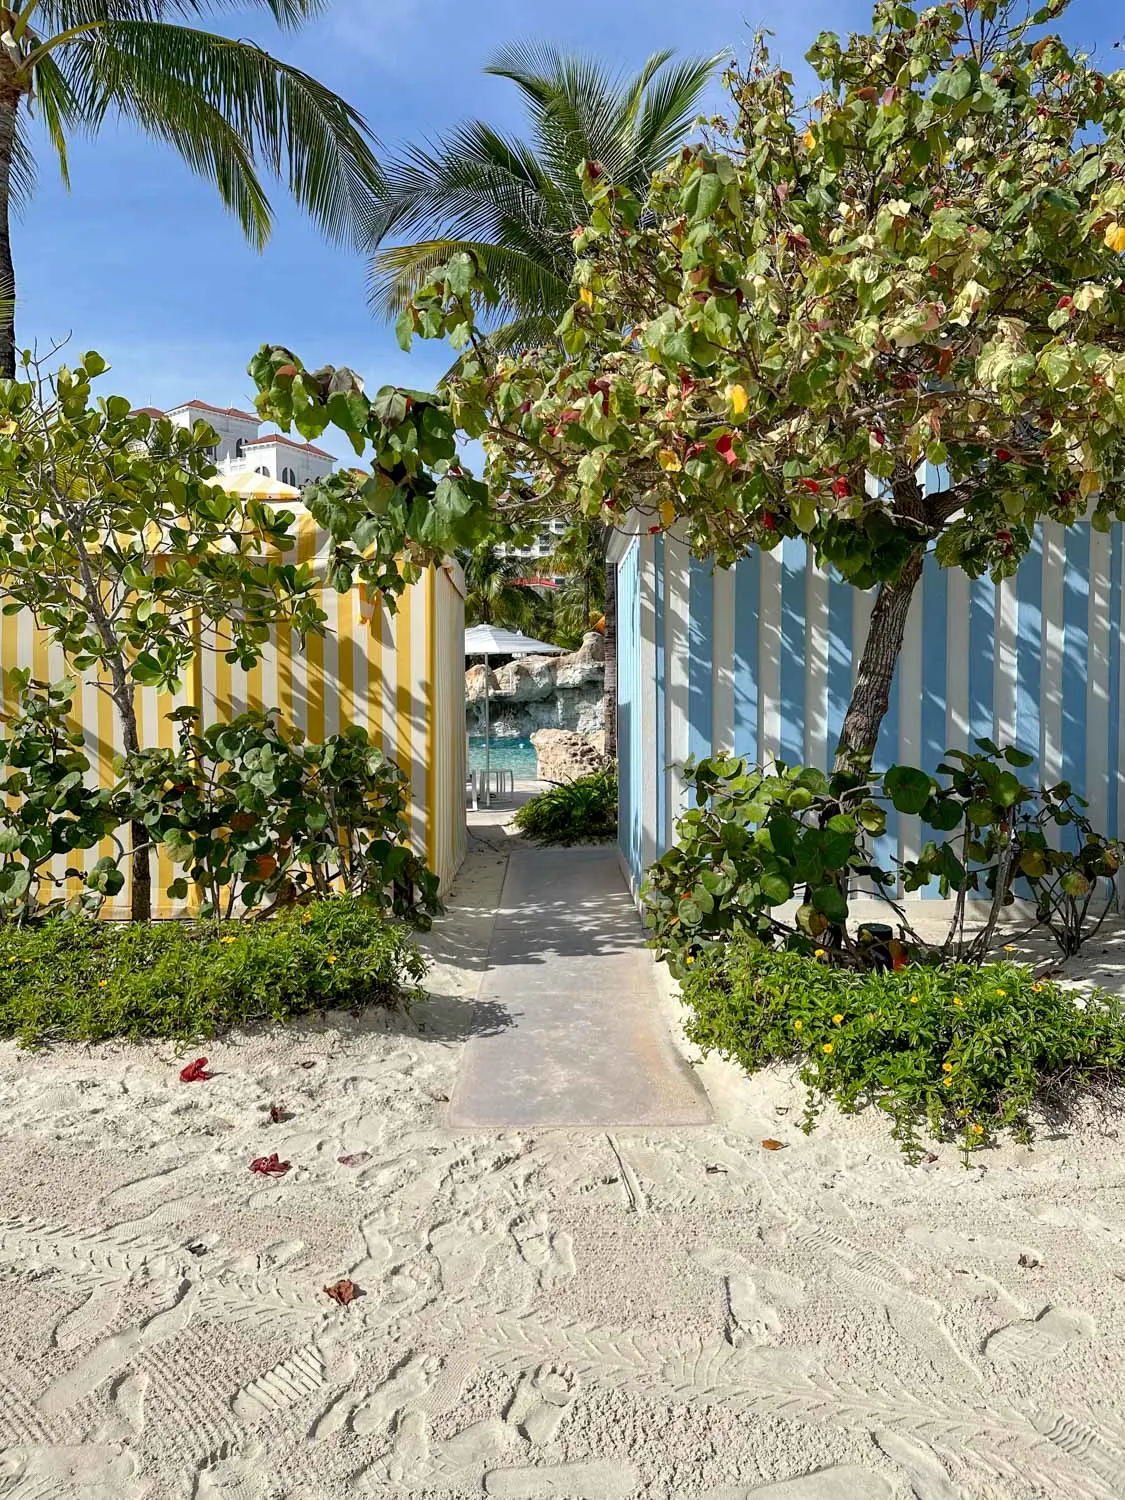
(564, 756)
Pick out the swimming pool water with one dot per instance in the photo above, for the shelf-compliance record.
(518, 756)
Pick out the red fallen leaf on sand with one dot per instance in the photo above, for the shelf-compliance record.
(769, 1145)
(195, 1072)
(354, 1159)
(341, 1292)
(269, 1166)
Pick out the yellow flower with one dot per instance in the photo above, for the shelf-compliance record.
(914, 999)
(838, 1019)
(947, 1067)
(797, 1025)
(1001, 992)
(331, 959)
(948, 1082)
(977, 1129)
(827, 1047)
(690, 959)
(957, 998)
(1036, 988)
(819, 953)
(307, 917)
(103, 984)
(228, 940)
(1009, 947)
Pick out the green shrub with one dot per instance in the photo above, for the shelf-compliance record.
(957, 1050)
(257, 816)
(574, 812)
(759, 838)
(71, 978)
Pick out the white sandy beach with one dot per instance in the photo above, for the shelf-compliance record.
(647, 1313)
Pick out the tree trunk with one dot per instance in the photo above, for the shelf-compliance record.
(140, 901)
(610, 658)
(8, 108)
(871, 694)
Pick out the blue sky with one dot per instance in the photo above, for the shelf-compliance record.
(140, 261)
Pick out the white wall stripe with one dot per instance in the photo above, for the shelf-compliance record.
(816, 667)
(722, 698)
(769, 655)
(1050, 711)
(652, 777)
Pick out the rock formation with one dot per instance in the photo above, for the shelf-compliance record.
(541, 692)
(564, 756)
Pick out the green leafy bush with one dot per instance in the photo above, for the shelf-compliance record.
(958, 1051)
(254, 816)
(574, 812)
(758, 839)
(71, 978)
(47, 808)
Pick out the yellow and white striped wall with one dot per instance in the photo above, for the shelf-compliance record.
(400, 676)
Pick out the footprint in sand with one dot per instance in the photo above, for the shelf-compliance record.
(461, 1248)
(969, 1246)
(126, 1421)
(1037, 1339)
(407, 1464)
(82, 1471)
(845, 1482)
(596, 1480)
(406, 1384)
(753, 1296)
(540, 1403)
(233, 1474)
(547, 1251)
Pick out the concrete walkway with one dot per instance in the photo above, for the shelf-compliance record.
(575, 1034)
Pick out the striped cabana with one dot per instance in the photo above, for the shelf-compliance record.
(761, 658)
(400, 676)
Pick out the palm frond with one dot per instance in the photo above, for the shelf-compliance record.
(55, 16)
(228, 106)
(399, 271)
(58, 108)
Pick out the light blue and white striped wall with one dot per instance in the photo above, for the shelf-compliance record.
(761, 657)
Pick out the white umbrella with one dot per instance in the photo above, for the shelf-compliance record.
(490, 640)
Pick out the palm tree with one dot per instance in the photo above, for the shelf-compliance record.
(226, 106)
(515, 203)
(493, 596)
(579, 562)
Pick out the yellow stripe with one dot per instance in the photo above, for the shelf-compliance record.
(105, 742)
(403, 695)
(165, 869)
(431, 723)
(9, 651)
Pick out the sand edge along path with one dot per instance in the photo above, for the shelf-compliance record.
(621, 1312)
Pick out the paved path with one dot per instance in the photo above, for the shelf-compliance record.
(575, 1034)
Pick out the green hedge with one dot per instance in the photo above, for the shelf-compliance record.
(574, 812)
(77, 979)
(959, 1051)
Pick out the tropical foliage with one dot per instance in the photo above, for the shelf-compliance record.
(777, 855)
(574, 812)
(514, 203)
(73, 979)
(954, 1053)
(919, 270)
(494, 592)
(229, 108)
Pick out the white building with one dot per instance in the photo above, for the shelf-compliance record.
(544, 544)
(240, 449)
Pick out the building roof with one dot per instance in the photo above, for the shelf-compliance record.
(277, 437)
(146, 411)
(223, 411)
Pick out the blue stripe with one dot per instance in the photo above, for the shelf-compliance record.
(839, 685)
(935, 642)
(1115, 545)
(794, 554)
(661, 746)
(935, 654)
(1076, 649)
(701, 642)
(982, 657)
(747, 575)
(886, 754)
(1029, 652)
